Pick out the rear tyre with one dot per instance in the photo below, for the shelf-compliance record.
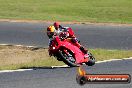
(91, 61)
(68, 59)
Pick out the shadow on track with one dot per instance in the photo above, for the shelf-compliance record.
(45, 67)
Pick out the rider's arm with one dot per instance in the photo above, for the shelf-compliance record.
(64, 29)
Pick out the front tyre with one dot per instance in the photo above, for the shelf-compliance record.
(67, 58)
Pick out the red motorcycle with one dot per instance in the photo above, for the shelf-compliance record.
(64, 50)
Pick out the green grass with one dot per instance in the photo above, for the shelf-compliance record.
(116, 11)
(105, 54)
(35, 63)
(21, 57)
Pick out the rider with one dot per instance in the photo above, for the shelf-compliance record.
(57, 29)
(60, 29)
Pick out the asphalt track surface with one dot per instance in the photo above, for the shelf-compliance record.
(91, 36)
(64, 77)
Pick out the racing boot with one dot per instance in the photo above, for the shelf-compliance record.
(83, 49)
(76, 43)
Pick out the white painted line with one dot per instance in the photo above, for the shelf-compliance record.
(18, 45)
(5, 44)
(60, 66)
(113, 60)
(19, 70)
(107, 60)
(31, 46)
(127, 58)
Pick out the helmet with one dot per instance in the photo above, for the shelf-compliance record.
(51, 29)
(56, 24)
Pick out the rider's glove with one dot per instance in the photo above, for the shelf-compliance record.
(64, 35)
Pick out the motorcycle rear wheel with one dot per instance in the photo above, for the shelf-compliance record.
(91, 61)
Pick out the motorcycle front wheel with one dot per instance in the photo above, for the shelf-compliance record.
(68, 58)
